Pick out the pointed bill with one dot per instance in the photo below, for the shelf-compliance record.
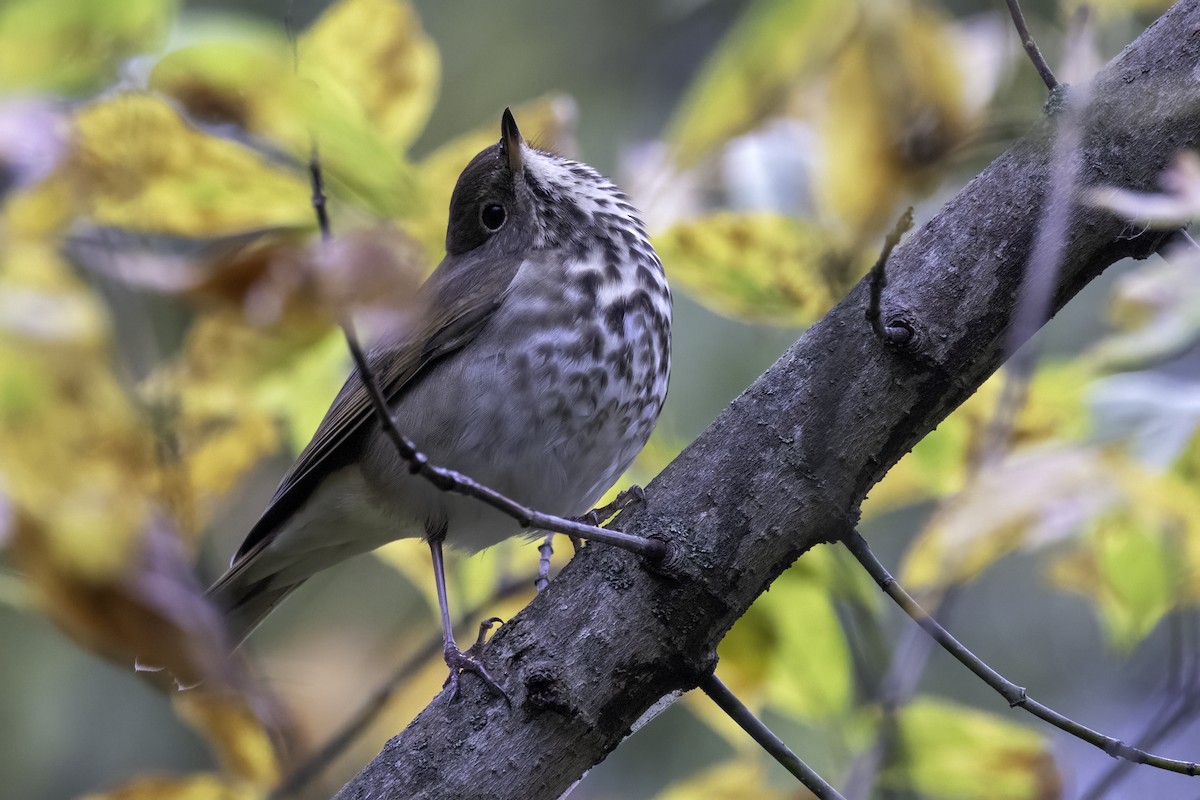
(511, 141)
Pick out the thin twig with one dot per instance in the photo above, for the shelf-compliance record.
(1181, 705)
(373, 706)
(1015, 695)
(728, 702)
(893, 334)
(1031, 48)
(897, 687)
(448, 480)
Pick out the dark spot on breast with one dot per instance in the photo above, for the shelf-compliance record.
(645, 275)
(589, 285)
(589, 344)
(614, 316)
(599, 376)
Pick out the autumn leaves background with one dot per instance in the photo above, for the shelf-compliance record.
(167, 340)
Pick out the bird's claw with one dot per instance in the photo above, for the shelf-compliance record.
(624, 499)
(460, 662)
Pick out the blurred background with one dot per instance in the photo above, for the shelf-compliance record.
(771, 145)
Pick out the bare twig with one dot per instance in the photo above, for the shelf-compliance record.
(893, 334)
(1181, 705)
(897, 688)
(1011, 692)
(449, 480)
(728, 702)
(1031, 48)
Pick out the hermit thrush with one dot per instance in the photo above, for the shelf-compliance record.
(537, 364)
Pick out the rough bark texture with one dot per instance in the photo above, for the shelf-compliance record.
(786, 465)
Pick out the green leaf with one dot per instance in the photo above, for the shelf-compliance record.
(788, 652)
(72, 47)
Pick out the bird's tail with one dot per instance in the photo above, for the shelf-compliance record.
(244, 601)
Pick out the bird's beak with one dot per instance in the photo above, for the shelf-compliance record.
(511, 142)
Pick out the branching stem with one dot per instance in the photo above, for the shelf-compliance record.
(1031, 48)
(1015, 695)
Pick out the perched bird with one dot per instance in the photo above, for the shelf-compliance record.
(536, 363)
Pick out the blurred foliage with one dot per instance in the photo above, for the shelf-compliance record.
(174, 167)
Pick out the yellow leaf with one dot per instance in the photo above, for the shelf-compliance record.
(81, 472)
(256, 84)
(548, 123)
(219, 403)
(188, 787)
(939, 464)
(137, 165)
(236, 734)
(72, 47)
(896, 109)
(774, 47)
(760, 267)
(1032, 498)
(150, 610)
(472, 578)
(300, 392)
(958, 753)
(377, 49)
(75, 458)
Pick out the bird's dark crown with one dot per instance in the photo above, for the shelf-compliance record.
(547, 201)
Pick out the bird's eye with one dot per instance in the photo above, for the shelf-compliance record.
(492, 216)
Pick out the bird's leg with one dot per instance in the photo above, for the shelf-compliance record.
(624, 499)
(545, 552)
(457, 660)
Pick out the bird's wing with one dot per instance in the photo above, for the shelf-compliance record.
(457, 301)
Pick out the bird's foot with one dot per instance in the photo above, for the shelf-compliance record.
(460, 662)
(624, 499)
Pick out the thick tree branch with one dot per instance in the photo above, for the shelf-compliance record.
(787, 464)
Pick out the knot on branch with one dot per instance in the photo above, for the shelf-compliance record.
(545, 690)
(672, 561)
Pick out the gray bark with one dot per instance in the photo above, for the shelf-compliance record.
(787, 464)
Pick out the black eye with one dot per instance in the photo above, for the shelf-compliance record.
(492, 216)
